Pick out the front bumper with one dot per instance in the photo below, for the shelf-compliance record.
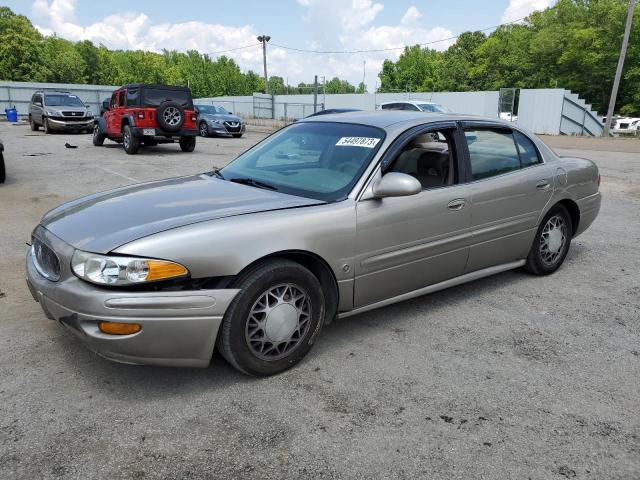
(85, 124)
(179, 328)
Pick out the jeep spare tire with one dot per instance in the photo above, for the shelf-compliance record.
(170, 116)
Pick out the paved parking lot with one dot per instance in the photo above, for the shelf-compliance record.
(511, 376)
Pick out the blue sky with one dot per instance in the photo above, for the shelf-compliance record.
(306, 24)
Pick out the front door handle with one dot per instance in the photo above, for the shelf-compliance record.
(543, 184)
(457, 204)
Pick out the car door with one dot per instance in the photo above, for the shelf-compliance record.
(407, 243)
(111, 115)
(509, 188)
(37, 108)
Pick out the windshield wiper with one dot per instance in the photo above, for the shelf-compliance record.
(253, 183)
(216, 172)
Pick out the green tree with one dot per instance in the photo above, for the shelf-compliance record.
(62, 61)
(335, 85)
(276, 85)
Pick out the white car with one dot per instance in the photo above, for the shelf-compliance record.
(415, 106)
(627, 125)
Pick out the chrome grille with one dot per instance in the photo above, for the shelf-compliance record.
(46, 261)
(232, 126)
(73, 114)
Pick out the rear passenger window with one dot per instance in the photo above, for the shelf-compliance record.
(491, 152)
(528, 153)
(132, 97)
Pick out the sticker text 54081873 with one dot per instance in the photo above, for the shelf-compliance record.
(367, 142)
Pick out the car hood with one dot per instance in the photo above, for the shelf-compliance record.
(102, 222)
(221, 117)
(67, 109)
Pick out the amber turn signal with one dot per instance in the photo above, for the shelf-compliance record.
(159, 269)
(118, 328)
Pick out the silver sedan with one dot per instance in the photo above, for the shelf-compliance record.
(329, 217)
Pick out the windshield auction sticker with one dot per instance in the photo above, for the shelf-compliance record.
(367, 142)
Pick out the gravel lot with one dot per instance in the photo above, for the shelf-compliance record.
(512, 376)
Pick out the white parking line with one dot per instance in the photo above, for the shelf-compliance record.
(116, 173)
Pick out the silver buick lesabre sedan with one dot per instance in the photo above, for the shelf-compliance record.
(329, 217)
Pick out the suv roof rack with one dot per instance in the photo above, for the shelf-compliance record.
(51, 90)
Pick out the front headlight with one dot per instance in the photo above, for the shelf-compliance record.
(115, 270)
(218, 122)
(89, 113)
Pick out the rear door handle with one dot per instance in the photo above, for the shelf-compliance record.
(543, 184)
(457, 204)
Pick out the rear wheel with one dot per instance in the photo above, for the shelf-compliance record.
(188, 144)
(34, 126)
(3, 174)
(98, 136)
(130, 143)
(274, 320)
(551, 243)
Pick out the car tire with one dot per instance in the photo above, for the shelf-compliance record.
(98, 136)
(237, 135)
(34, 126)
(551, 243)
(45, 126)
(3, 172)
(130, 142)
(188, 144)
(170, 116)
(293, 295)
(203, 129)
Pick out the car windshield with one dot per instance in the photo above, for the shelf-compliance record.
(210, 109)
(432, 107)
(152, 97)
(319, 160)
(62, 100)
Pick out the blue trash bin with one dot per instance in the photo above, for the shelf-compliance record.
(12, 114)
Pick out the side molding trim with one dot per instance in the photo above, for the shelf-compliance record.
(468, 277)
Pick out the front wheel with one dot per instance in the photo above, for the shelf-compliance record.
(45, 125)
(34, 126)
(237, 135)
(274, 320)
(98, 136)
(204, 129)
(130, 143)
(551, 243)
(188, 144)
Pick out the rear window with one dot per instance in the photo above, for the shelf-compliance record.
(153, 97)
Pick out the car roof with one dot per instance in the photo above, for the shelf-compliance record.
(153, 85)
(387, 118)
(412, 102)
(55, 92)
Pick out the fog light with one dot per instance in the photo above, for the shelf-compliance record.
(118, 328)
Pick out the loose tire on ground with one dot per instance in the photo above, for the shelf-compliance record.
(255, 352)
(188, 144)
(98, 136)
(130, 143)
(551, 243)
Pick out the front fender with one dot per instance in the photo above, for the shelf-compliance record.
(102, 124)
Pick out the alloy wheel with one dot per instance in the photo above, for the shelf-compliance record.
(277, 322)
(172, 116)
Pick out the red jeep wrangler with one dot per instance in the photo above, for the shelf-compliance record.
(142, 114)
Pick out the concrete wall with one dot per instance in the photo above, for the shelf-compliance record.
(19, 94)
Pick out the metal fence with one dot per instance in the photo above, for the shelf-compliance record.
(19, 94)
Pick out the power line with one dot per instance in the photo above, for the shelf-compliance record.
(232, 49)
(302, 50)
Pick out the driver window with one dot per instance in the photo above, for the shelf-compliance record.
(430, 158)
(121, 99)
(114, 99)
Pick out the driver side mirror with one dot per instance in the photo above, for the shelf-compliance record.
(396, 184)
(39, 104)
(105, 105)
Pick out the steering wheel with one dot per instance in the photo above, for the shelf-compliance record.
(349, 167)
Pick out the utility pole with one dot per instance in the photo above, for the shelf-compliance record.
(616, 80)
(364, 71)
(264, 39)
(315, 94)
